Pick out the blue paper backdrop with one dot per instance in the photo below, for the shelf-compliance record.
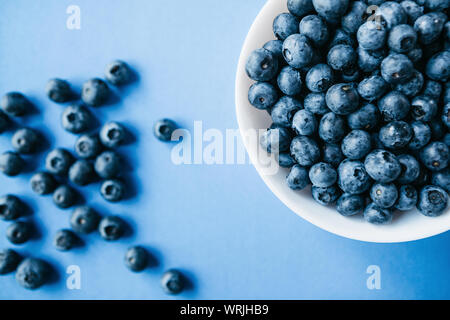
(220, 224)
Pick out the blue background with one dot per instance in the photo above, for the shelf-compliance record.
(219, 224)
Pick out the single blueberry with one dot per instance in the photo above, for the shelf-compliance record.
(76, 119)
(276, 140)
(276, 47)
(365, 118)
(424, 108)
(304, 123)
(342, 57)
(316, 103)
(108, 165)
(111, 228)
(355, 17)
(25, 141)
(332, 128)
(340, 36)
(172, 282)
(353, 177)
(32, 273)
(377, 215)
(421, 135)
(64, 197)
(11, 207)
(300, 8)
(322, 175)
(290, 81)
(342, 98)
(410, 169)
(9, 260)
(396, 68)
(298, 51)
(95, 92)
(412, 86)
(442, 179)
(391, 14)
(438, 67)
(350, 204)
(15, 104)
(112, 190)
(356, 145)
(262, 65)
(163, 129)
(412, 9)
(319, 78)
(402, 38)
(433, 201)
(285, 160)
(372, 88)
(407, 198)
(58, 161)
(325, 196)
(113, 134)
(305, 150)
(284, 110)
(384, 195)
(284, 25)
(11, 164)
(262, 95)
(84, 220)
(81, 172)
(136, 258)
(88, 146)
(19, 232)
(429, 26)
(332, 154)
(435, 156)
(331, 10)
(65, 240)
(382, 166)
(396, 134)
(59, 90)
(437, 5)
(298, 178)
(118, 73)
(43, 183)
(371, 35)
(315, 29)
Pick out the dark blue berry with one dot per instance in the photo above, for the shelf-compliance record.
(316, 103)
(356, 145)
(298, 51)
(391, 14)
(58, 161)
(442, 179)
(108, 165)
(111, 228)
(262, 65)
(342, 57)
(25, 141)
(421, 135)
(19, 232)
(366, 118)
(331, 10)
(319, 78)
(429, 26)
(163, 129)
(290, 81)
(285, 160)
(410, 169)
(315, 29)
(435, 156)
(305, 150)
(355, 17)
(384, 195)
(88, 146)
(65, 240)
(369, 60)
(9, 260)
(136, 258)
(412, 9)
(81, 172)
(11, 164)
(332, 154)
(332, 128)
(118, 73)
(95, 92)
(15, 104)
(407, 198)
(433, 201)
(325, 196)
(11, 207)
(382, 166)
(59, 91)
(438, 67)
(322, 175)
(342, 98)
(433, 89)
(276, 47)
(112, 190)
(64, 197)
(4, 122)
(84, 220)
(372, 88)
(262, 95)
(304, 123)
(350, 204)
(353, 177)
(396, 68)
(172, 282)
(412, 86)
(402, 38)
(371, 35)
(32, 273)
(284, 25)
(276, 140)
(284, 110)
(76, 119)
(43, 183)
(298, 178)
(113, 134)
(396, 134)
(424, 108)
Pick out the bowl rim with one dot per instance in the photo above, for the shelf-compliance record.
(377, 234)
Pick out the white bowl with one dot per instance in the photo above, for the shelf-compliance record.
(405, 227)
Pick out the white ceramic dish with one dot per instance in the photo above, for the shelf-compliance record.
(405, 227)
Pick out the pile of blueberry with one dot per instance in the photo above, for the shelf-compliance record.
(359, 96)
(96, 159)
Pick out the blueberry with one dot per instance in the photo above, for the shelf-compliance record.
(262, 65)
(435, 156)
(108, 165)
(64, 197)
(322, 175)
(315, 29)
(432, 201)
(112, 190)
(316, 103)
(284, 110)
(331, 10)
(304, 123)
(372, 88)
(305, 150)
(432, 89)
(332, 128)
(25, 141)
(438, 67)
(58, 161)
(366, 118)
(371, 35)
(412, 9)
(19, 232)
(88, 146)
(84, 220)
(350, 204)
(81, 172)
(342, 98)
(172, 282)
(353, 177)
(136, 258)
(43, 183)
(442, 179)
(32, 273)
(11, 164)
(402, 38)
(355, 17)
(342, 57)
(382, 166)
(407, 198)
(4, 122)
(342, 37)
(369, 60)
(163, 129)
(284, 25)
(65, 240)
(421, 135)
(377, 215)
(262, 95)
(410, 169)
(394, 106)
(437, 5)
(384, 195)
(118, 73)
(276, 47)
(396, 134)
(9, 260)
(298, 178)
(319, 78)
(412, 86)
(332, 154)
(111, 228)
(396, 68)
(429, 26)
(276, 140)
(424, 108)
(356, 145)
(290, 81)
(76, 119)
(300, 8)
(95, 92)
(15, 104)
(325, 196)
(298, 51)
(391, 14)
(285, 160)
(58, 90)
(113, 134)
(11, 207)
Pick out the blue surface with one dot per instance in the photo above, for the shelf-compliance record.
(220, 224)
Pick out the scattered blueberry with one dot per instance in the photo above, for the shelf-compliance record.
(25, 141)
(108, 165)
(298, 178)
(15, 104)
(11, 164)
(43, 183)
(32, 273)
(76, 119)
(81, 172)
(65, 240)
(172, 282)
(64, 197)
(163, 129)
(118, 73)
(19, 232)
(11, 207)
(112, 190)
(9, 260)
(111, 228)
(262, 95)
(112, 134)
(136, 258)
(58, 161)
(84, 220)
(59, 90)
(88, 146)
(95, 92)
